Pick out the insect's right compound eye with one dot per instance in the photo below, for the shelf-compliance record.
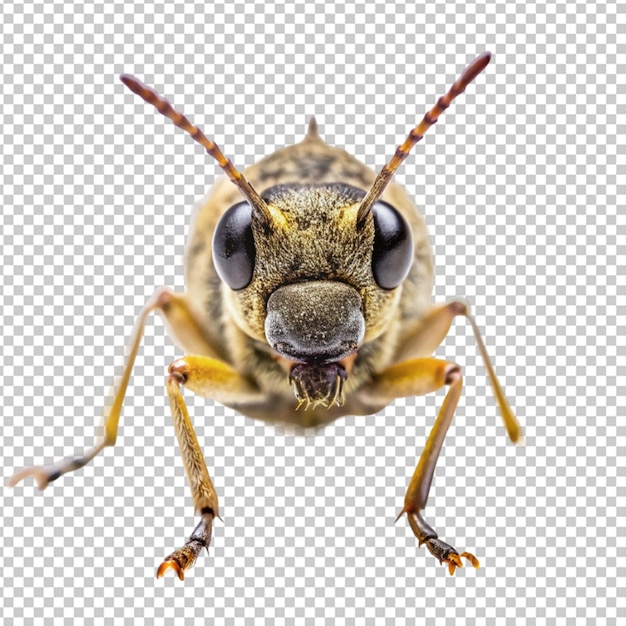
(233, 246)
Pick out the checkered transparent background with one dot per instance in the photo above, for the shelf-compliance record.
(519, 184)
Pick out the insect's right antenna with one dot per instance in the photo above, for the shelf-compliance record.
(165, 108)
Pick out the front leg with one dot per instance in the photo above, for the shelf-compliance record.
(418, 377)
(212, 378)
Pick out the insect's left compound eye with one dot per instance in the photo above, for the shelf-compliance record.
(393, 246)
(233, 246)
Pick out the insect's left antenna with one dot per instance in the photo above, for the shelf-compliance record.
(384, 176)
(165, 108)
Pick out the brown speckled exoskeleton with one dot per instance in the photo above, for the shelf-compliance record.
(318, 283)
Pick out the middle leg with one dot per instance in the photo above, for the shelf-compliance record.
(426, 334)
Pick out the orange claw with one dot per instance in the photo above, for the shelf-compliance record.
(472, 559)
(454, 560)
(170, 564)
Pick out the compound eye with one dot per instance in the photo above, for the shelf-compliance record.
(233, 246)
(393, 246)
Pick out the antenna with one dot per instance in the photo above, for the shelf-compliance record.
(165, 108)
(382, 180)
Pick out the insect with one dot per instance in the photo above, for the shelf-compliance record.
(317, 284)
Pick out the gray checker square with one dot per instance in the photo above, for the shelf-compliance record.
(520, 186)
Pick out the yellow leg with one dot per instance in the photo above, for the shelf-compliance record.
(204, 374)
(202, 489)
(418, 377)
(215, 379)
(427, 334)
(414, 374)
(178, 316)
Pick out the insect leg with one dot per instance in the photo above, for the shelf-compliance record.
(212, 378)
(427, 333)
(181, 321)
(424, 336)
(418, 377)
